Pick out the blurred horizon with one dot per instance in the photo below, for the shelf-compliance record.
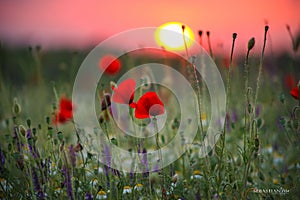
(80, 25)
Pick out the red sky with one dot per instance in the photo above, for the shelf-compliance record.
(76, 23)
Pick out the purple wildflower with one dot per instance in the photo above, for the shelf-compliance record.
(39, 193)
(131, 177)
(2, 160)
(281, 123)
(68, 182)
(107, 156)
(88, 196)
(145, 163)
(106, 171)
(72, 155)
(31, 145)
(107, 159)
(156, 168)
(46, 166)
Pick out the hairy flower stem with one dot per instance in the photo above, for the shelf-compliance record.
(248, 109)
(260, 67)
(227, 103)
(160, 158)
(209, 45)
(207, 167)
(246, 77)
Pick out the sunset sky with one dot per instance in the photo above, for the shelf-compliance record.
(76, 23)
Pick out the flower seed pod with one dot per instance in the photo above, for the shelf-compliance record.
(234, 35)
(266, 28)
(200, 33)
(78, 147)
(22, 130)
(251, 43)
(106, 102)
(16, 109)
(60, 136)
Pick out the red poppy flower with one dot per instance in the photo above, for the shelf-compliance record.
(295, 92)
(110, 64)
(124, 92)
(65, 112)
(290, 81)
(148, 105)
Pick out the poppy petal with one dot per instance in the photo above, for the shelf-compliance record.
(149, 105)
(65, 112)
(110, 64)
(124, 93)
(295, 92)
(65, 104)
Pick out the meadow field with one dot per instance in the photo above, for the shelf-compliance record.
(45, 155)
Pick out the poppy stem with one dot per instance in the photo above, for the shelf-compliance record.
(247, 153)
(223, 136)
(160, 159)
(209, 45)
(246, 74)
(260, 66)
(198, 92)
(184, 41)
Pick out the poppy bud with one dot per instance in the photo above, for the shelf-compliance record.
(48, 120)
(200, 33)
(183, 27)
(22, 130)
(266, 28)
(105, 102)
(16, 109)
(101, 119)
(60, 136)
(234, 35)
(251, 43)
(78, 147)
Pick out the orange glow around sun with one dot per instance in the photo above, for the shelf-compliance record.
(170, 36)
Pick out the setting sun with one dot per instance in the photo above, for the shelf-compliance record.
(170, 36)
